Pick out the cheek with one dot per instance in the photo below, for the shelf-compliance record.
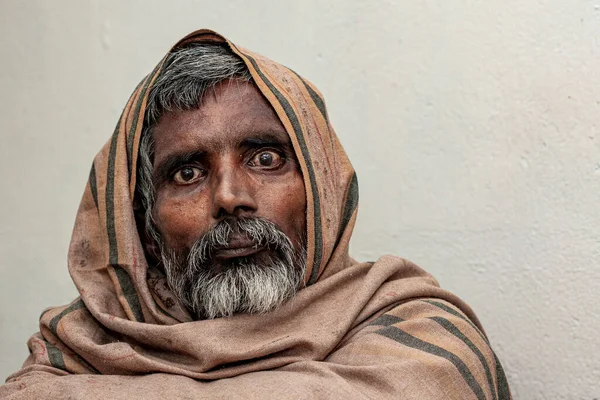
(292, 208)
(180, 222)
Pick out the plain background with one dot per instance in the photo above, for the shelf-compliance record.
(473, 126)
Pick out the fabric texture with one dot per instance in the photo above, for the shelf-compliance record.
(357, 330)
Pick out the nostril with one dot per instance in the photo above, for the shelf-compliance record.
(238, 211)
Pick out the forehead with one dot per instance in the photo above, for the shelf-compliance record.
(229, 112)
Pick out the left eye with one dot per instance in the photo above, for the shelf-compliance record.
(187, 175)
(266, 159)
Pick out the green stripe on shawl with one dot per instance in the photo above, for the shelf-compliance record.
(138, 107)
(452, 311)
(129, 292)
(349, 207)
(123, 277)
(113, 250)
(305, 153)
(450, 327)
(53, 325)
(57, 360)
(404, 338)
(386, 320)
(55, 356)
(314, 96)
(502, 382)
(136, 115)
(93, 185)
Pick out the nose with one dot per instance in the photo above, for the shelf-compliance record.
(232, 193)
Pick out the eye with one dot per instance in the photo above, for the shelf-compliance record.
(267, 159)
(187, 175)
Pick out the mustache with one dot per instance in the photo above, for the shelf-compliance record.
(261, 232)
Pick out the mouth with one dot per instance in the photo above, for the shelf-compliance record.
(238, 248)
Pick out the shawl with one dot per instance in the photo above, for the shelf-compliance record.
(382, 329)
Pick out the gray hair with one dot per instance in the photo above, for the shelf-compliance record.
(187, 74)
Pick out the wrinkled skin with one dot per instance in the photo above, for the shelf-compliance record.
(229, 158)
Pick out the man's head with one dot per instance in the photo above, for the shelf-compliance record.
(221, 189)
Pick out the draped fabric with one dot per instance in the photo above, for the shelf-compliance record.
(357, 330)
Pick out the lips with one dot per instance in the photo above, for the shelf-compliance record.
(238, 247)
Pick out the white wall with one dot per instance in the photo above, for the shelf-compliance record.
(473, 126)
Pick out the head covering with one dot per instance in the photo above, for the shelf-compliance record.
(348, 317)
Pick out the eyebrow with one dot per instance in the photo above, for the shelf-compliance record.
(173, 161)
(266, 139)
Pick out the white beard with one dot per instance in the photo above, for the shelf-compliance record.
(252, 285)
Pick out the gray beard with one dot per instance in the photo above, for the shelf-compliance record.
(253, 284)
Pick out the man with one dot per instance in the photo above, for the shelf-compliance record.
(211, 255)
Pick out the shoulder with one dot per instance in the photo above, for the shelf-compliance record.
(430, 340)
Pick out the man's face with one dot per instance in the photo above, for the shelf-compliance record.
(227, 161)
